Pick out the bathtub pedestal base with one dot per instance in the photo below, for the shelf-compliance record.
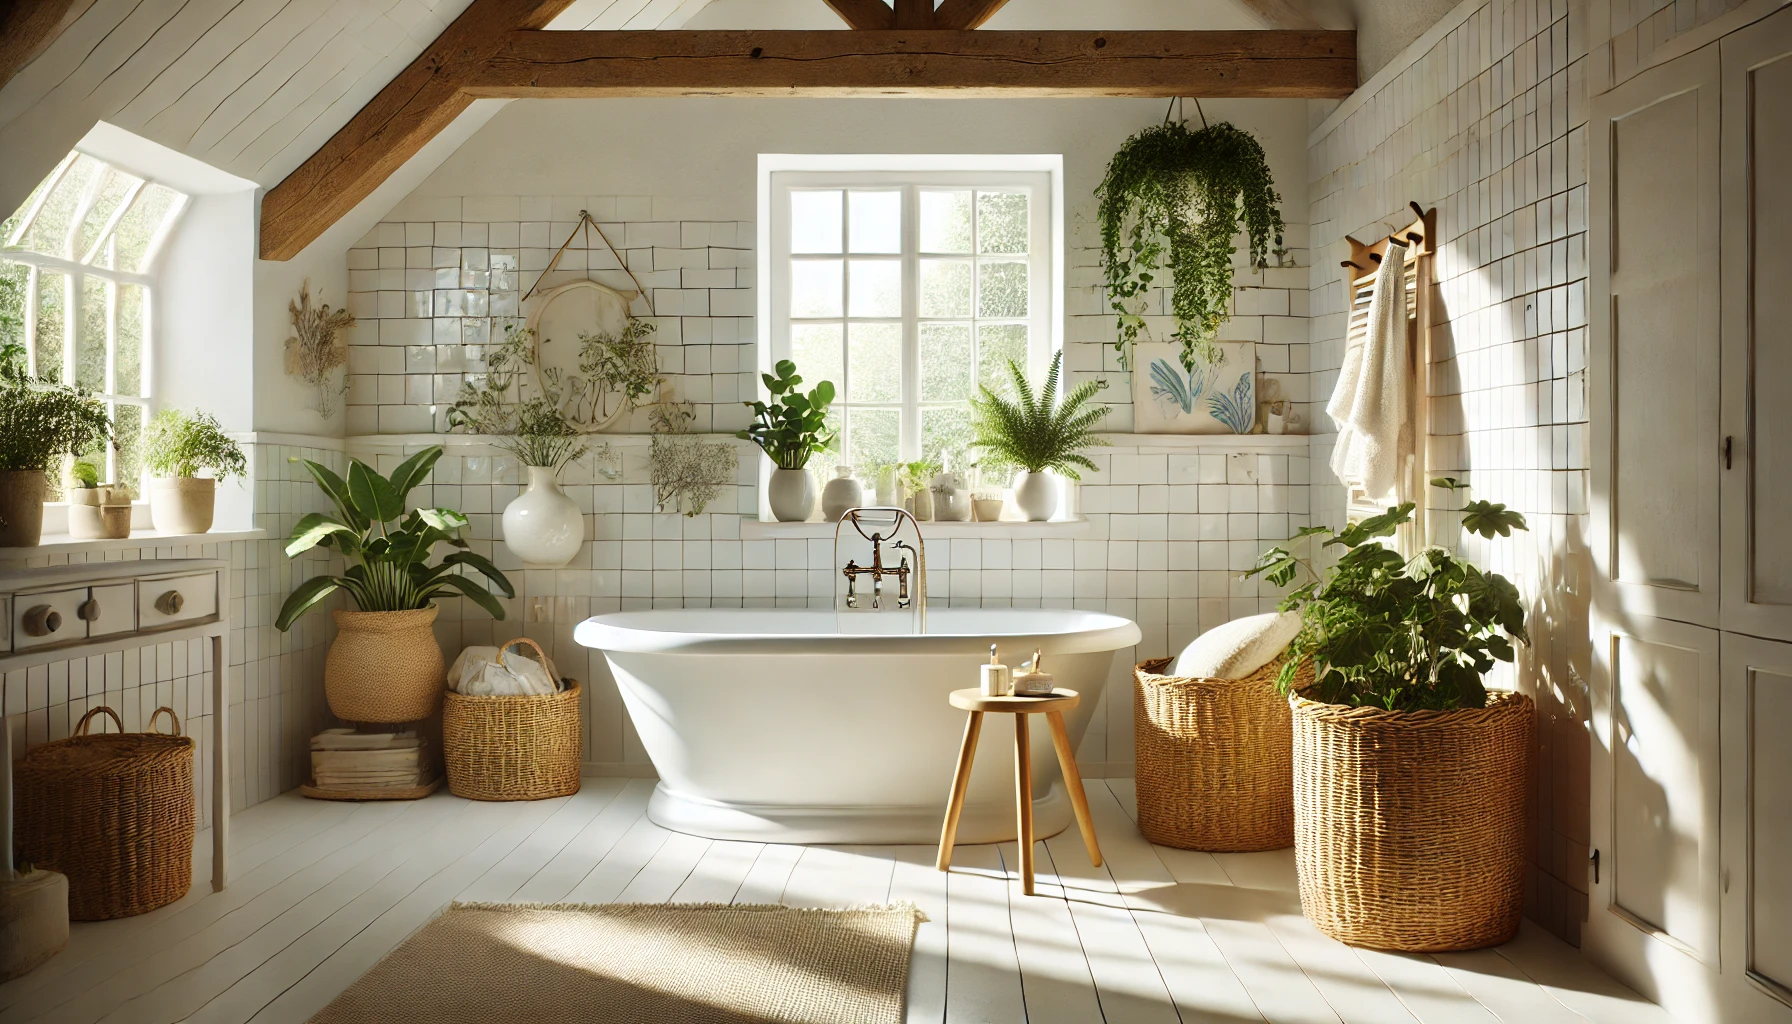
(981, 822)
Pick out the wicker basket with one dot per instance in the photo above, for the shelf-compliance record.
(1213, 759)
(1410, 825)
(513, 748)
(114, 812)
(384, 666)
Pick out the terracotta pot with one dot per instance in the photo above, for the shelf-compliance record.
(182, 504)
(384, 666)
(22, 507)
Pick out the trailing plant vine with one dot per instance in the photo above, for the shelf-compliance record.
(1172, 200)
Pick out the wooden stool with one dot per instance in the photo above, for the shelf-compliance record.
(1053, 707)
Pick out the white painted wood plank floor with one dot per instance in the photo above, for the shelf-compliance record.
(322, 890)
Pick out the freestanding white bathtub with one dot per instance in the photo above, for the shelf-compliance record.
(815, 726)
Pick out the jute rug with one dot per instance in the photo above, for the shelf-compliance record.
(498, 963)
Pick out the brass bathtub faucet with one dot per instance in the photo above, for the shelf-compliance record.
(907, 595)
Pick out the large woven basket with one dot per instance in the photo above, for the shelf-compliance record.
(1213, 759)
(384, 666)
(513, 748)
(1410, 825)
(112, 811)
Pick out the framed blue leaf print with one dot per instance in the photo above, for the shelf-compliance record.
(1220, 398)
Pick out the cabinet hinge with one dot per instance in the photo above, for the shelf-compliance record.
(1594, 857)
(1729, 443)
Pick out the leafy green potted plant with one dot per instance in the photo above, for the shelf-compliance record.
(385, 664)
(1037, 434)
(543, 526)
(96, 511)
(177, 447)
(792, 427)
(1410, 778)
(40, 422)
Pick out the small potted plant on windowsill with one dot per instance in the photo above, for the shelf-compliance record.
(40, 422)
(1038, 435)
(1410, 777)
(177, 447)
(96, 511)
(790, 429)
(385, 664)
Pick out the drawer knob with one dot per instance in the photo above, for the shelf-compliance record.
(89, 610)
(170, 603)
(42, 621)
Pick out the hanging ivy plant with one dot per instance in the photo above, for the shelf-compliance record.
(1173, 199)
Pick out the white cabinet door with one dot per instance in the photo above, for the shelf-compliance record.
(1653, 354)
(1757, 816)
(1757, 328)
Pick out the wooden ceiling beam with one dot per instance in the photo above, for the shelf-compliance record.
(914, 14)
(864, 14)
(966, 14)
(28, 27)
(479, 56)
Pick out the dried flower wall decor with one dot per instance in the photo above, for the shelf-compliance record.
(314, 351)
(687, 473)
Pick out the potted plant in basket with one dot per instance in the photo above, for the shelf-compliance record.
(177, 447)
(1410, 777)
(40, 422)
(1037, 434)
(792, 427)
(96, 510)
(385, 664)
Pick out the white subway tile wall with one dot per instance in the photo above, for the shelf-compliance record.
(1489, 126)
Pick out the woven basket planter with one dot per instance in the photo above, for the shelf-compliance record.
(384, 666)
(112, 811)
(1410, 825)
(512, 748)
(1214, 761)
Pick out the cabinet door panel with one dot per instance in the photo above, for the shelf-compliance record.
(1757, 814)
(1757, 325)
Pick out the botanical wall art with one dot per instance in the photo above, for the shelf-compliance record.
(316, 348)
(1211, 397)
(687, 472)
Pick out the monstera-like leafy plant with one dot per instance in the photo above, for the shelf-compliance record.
(793, 426)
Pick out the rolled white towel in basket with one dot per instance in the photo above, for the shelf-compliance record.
(498, 672)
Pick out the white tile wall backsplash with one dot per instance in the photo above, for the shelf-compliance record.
(1489, 126)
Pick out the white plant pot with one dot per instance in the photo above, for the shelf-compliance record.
(542, 526)
(182, 504)
(1036, 495)
(841, 493)
(791, 494)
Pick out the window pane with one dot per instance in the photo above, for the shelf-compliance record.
(1002, 222)
(141, 225)
(1002, 289)
(90, 335)
(815, 348)
(11, 223)
(815, 221)
(945, 222)
(49, 231)
(945, 362)
(872, 438)
(14, 279)
(127, 422)
(876, 221)
(874, 370)
(113, 189)
(996, 345)
(945, 430)
(128, 366)
(815, 288)
(52, 303)
(876, 288)
(946, 288)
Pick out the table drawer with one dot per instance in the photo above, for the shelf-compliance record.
(111, 609)
(176, 600)
(50, 617)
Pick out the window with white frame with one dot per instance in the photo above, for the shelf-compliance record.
(908, 290)
(76, 288)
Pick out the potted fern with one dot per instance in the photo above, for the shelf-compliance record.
(40, 422)
(789, 429)
(1410, 777)
(177, 447)
(1038, 435)
(385, 664)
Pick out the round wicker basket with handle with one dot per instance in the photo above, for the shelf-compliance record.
(112, 811)
(384, 666)
(1409, 826)
(1213, 759)
(513, 748)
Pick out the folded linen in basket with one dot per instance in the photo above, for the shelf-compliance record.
(487, 672)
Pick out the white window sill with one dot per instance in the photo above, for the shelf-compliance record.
(63, 544)
(755, 529)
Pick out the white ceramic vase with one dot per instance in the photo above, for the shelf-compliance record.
(841, 493)
(542, 526)
(1036, 495)
(182, 504)
(791, 494)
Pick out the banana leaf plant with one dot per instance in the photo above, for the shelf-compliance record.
(389, 551)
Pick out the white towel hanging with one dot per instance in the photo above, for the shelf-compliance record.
(1371, 404)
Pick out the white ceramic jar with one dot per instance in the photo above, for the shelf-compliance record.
(841, 493)
(1036, 495)
(543, 526)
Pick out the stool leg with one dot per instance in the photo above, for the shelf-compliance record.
(1023, 785)
(961, 779)
(1073, 781)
